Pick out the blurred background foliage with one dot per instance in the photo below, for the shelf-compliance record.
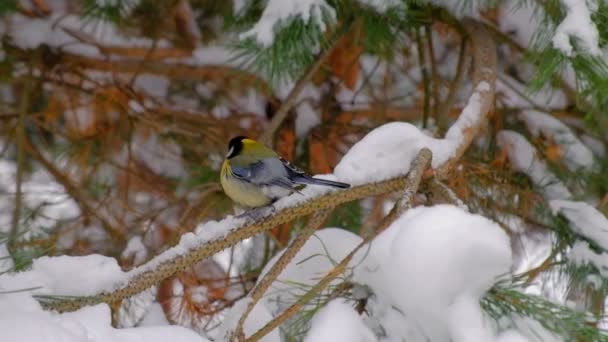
(115, 117)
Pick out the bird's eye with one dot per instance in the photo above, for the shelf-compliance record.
(230, 151)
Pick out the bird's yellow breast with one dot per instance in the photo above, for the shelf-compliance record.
(241, 192)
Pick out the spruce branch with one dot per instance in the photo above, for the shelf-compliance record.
(150, 277)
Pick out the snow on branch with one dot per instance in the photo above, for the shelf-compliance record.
(577, 25)
(278, 12)
(523, 158)
(576, 155)
(584, 219)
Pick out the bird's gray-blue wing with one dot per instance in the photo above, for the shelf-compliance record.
(268, 171)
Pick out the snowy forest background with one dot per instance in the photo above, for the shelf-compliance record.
(473, 132)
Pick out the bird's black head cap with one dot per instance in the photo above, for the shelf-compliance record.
(235, 146)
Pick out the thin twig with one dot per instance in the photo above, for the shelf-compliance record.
(23, 109)
(73, 191)
(425, 78)
(434, 73)
(455, 86)
(256, 294)
(438, 188)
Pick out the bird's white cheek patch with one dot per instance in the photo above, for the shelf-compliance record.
(230, 151)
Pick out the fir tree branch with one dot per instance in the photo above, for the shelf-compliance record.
(166, 269)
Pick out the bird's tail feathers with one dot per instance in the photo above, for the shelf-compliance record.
(318, 181)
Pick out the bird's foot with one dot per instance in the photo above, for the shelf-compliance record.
(258, 213)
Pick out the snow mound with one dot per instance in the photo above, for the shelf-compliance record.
(22, 319)
(577, 25)
(434, 264)
(66, 275)
(338, 321)
(387, 152)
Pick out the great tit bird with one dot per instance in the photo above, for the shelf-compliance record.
(254, 176)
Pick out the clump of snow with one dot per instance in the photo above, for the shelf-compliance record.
(431, 267)
(388, 150)
(277, 12)
(523, 158)
(338, 321)
(385, 152)
(584, 220)
(582, 254)
(470, 115)
(577, 25)
(135, 249)
(66, 275)
(22, 319)
(575, 153)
